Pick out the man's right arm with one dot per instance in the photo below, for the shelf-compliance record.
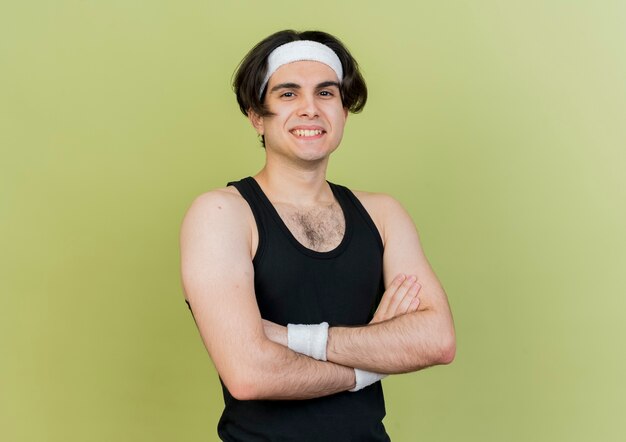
(218, 278)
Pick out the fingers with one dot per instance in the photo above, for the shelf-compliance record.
(410, 298)
(415, 303)
(405, 290)
(389, 294)
(399, 298)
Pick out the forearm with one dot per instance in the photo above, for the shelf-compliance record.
(276, 372)
(403, 344)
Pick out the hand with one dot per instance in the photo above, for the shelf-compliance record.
(275, 333)
(399, 298)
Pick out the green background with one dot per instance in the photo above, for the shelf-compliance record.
(499, 125)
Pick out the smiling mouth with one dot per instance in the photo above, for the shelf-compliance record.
(307, 132)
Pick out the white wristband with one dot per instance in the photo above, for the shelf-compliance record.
(365, 378)
(308, 340)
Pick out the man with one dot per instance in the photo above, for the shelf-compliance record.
(306, 294)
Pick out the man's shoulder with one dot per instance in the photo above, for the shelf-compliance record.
(223, 198)
(382, 208)
(375, 202)
(219, 207)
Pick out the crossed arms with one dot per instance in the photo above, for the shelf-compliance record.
(407, 333)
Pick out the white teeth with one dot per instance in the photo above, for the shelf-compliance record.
(306, 132)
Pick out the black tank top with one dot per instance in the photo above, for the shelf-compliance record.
(294, 284)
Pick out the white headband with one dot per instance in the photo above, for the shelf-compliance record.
(301, 50)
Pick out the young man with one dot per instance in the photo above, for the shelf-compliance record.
(305, 293)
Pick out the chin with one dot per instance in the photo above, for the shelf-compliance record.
(316, 155)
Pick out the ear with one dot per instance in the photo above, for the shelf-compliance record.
(257, 122)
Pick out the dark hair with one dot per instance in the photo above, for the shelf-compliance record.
(251, 71)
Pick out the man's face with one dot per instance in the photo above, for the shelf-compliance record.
(309, 117)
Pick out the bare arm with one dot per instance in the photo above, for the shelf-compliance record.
(218, 279)
(396, 342)
(409, 342)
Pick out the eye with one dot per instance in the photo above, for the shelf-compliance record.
(287, 94)
(326, 93)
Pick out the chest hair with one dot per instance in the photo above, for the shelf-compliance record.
(319, 228)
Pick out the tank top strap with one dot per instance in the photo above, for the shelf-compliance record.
(247, 189)
(268, 220)
(350, 200)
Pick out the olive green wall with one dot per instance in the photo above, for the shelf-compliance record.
(500, 125)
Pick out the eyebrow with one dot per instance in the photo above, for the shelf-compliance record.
(285, 86)
(321, 85)
(327, 84)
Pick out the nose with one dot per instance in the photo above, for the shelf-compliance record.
(308, 106)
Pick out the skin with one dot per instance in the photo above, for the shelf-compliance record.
(301, 95)
(398, 343)
(400, 298)
(219, 239)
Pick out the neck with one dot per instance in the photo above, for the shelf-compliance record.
(293, 185)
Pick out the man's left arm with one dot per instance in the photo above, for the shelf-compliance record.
(409, 342)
